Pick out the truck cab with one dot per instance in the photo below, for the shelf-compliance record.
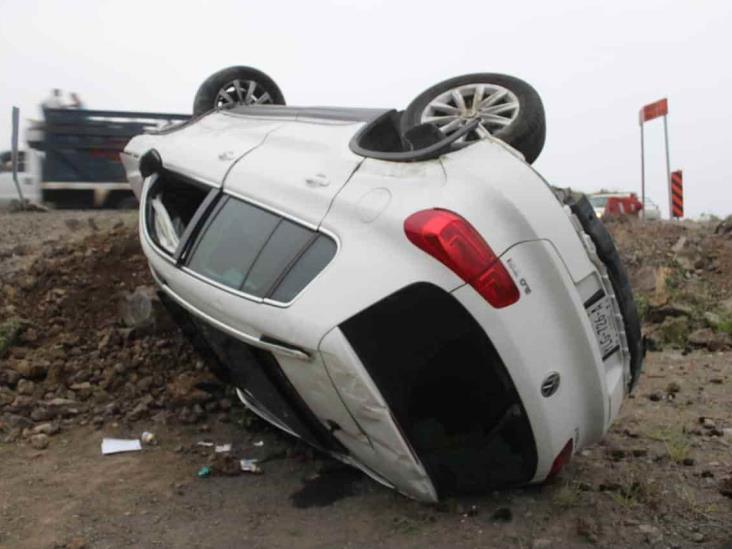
(28, 164)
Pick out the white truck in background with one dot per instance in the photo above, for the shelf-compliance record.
(71, 158)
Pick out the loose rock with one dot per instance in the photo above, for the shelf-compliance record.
(39, 441)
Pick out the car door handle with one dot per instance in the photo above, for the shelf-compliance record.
(318, 180)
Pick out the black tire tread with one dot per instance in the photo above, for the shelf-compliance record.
(207, 91)
(526, 134)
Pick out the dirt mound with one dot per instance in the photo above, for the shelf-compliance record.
(680, 273)
(68, 357)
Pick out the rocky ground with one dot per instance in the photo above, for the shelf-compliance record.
(82, 357)
(682, 278)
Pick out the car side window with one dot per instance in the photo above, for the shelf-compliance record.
(282, 248)
(232, 242)
(315, 258)
(258, 252)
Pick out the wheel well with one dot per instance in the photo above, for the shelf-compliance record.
(447, 388)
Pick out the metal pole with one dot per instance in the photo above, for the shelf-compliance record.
(643, 175)
(668, 169)
(14, 154)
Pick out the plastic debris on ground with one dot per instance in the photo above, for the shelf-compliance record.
(204, 472)
(205, 443)
(223, 448)
(250, 466)
(119, 445)
(149, 438)
(259, 443)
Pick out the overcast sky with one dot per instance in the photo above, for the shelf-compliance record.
(594, 64)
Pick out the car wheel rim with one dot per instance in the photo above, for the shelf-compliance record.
(494, 106)
(242, 92)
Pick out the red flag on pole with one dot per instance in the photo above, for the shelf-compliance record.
(654, 110)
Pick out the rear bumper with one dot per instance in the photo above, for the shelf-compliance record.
(548, 331)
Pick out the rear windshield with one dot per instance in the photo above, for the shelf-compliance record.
(260, 253)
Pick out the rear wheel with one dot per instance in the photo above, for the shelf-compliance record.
(236, 86)
(507, 108)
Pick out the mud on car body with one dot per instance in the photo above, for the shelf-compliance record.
(399, 289)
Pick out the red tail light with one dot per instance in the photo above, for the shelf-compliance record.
(561, 460)
(453, 241)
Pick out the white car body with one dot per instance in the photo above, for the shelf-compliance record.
(298, 164)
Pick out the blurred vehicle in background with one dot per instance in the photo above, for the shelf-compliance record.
(609, 204)
(651, 211)
(72, 158)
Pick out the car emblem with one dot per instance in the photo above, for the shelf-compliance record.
(550, 384)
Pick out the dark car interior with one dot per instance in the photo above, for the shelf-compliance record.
(382, 138)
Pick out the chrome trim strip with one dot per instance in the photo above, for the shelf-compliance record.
(220, 286)
(242, 336)
(270, 209)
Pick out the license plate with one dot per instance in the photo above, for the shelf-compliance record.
(601, 318)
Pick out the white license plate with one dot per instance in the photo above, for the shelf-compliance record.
(601, 318)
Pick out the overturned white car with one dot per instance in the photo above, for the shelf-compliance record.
(399, 289)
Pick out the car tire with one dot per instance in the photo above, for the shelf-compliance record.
(511, 110)
(236, 86)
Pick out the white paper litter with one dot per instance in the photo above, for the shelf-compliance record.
(119, 445)
(222, 448)
(250, 466)
(259, 443)
(204, 443)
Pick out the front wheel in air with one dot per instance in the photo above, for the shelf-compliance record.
(507, 108)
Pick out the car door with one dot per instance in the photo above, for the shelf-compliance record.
(298, 169)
